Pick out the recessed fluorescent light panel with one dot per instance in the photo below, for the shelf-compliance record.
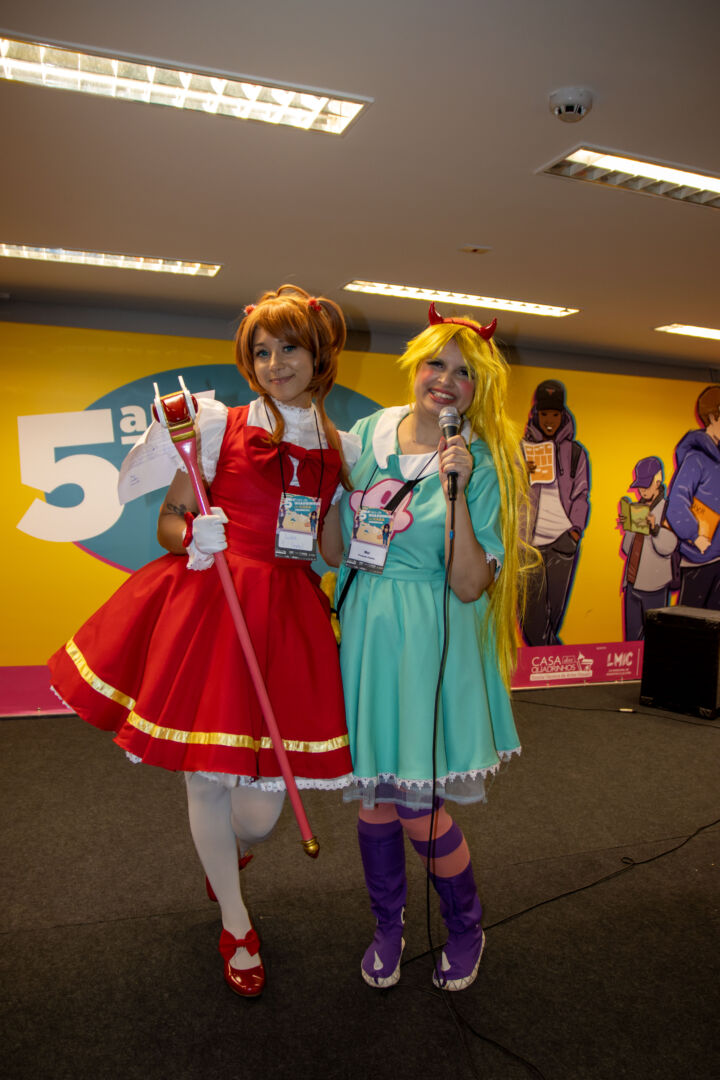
(690, 331)
(116, 262)
(407, 292)
(128, 80)
(645, 177)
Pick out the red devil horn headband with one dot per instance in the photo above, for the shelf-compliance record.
(485, 332)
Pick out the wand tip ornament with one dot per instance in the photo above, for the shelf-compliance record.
(176, 412)
(311, 847)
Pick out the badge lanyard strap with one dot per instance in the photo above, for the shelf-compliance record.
(322, 455)
(402, 492)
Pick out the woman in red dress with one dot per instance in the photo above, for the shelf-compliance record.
(160, 663)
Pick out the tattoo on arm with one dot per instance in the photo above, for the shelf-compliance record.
(171, 508)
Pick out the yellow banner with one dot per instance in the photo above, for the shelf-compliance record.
(76, 399)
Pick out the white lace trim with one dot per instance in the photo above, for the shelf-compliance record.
(301, 428)
(62, 699)
(300, 424)
(198, 560)
(426, 785)
(276, 783)
(265, 783)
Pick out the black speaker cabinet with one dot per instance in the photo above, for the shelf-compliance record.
(681, 661)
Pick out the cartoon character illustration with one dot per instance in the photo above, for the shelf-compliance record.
(559, 487)
(647, 545)
(693, 509)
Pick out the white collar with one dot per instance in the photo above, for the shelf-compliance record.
(294, 416)
(385, 435)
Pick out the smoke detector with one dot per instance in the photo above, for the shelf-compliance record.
(570, 103)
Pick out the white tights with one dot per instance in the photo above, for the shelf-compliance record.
(222, 820)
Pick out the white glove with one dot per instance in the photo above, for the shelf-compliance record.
(208, 537)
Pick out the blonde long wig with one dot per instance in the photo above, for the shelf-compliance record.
(315, 324)
(489, 420)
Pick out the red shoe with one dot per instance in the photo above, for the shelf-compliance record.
(242, 863)
(246, 982)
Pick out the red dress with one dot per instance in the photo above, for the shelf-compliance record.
(161, 665)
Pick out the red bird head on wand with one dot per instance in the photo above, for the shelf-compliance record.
(176, 412)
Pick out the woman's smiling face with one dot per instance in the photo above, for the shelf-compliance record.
(283, 370)
(445, 380)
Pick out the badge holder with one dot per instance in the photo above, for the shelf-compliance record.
(372, 530)
(296, 536)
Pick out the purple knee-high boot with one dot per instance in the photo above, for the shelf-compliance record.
(461, 911)
(382, 849)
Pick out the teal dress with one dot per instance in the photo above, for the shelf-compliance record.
(392, 636)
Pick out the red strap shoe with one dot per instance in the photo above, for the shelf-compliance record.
(242, 863)
(248, 982)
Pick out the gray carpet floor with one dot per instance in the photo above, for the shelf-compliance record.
(109, 945)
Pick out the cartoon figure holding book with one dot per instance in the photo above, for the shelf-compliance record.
(694, 505)
(647, 545)
(559, 473)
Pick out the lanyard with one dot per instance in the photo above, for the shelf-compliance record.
(398, 497)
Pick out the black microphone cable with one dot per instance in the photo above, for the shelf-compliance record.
(436, 719)
(461, 1023)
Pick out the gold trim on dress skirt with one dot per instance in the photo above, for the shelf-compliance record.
(93, 680)
(193, 738)
(236, 742)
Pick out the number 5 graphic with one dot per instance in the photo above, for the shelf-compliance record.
(38, 438)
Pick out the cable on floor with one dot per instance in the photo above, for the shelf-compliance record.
(621, 709)
(629, 864)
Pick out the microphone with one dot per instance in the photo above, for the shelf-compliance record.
(449, 421)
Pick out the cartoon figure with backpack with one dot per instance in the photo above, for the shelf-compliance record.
(648, 546)
(559, 472)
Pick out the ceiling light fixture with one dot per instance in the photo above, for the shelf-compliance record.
(219, 94)
(630, 174)
(690, 331)
(408, 292)
(115, 262)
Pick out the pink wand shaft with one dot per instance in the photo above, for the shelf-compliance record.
(187, 451)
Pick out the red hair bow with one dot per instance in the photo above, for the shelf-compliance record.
(485, 332)
(249, 309)
(314, 303)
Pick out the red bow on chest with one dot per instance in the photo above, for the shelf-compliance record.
(304, 474)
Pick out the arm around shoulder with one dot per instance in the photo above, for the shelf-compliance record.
(331, 543)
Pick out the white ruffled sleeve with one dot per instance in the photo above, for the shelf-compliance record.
(153, 460)
(211, 422)
(351, 447)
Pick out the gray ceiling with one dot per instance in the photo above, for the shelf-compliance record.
(447, 155)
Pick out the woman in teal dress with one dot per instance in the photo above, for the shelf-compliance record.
(393, 635)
